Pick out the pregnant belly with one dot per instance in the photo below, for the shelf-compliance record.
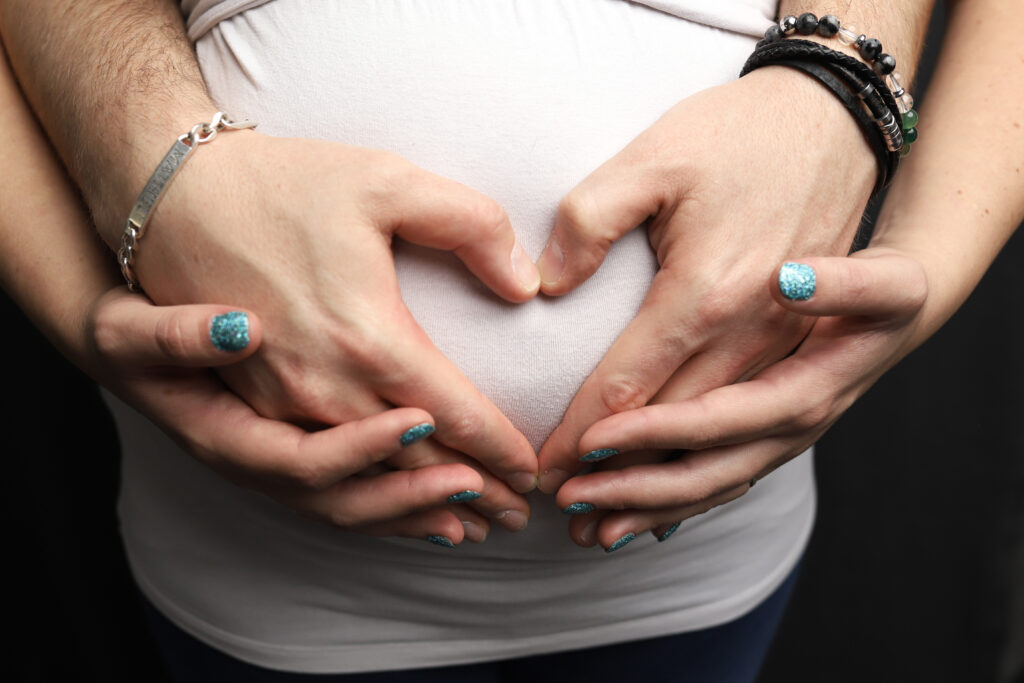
(519, 101)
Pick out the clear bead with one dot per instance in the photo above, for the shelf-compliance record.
(848, 35)
(905, 103)
(895, 82)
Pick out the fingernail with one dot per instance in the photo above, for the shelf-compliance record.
(474, 532)
(599, 454)
(513, 520)
(552, 479)
(621, 543)
(442, 541)
(796, 281)
(523, 482)
(417, 433)
(230, 331)
(668, 532)
(588, 535)
(579, 509)
(524, 268)
(464, 496)
(551, 262)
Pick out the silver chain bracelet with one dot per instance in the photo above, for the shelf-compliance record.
(155, 188)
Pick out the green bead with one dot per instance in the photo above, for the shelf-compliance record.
(909, 119)
(910, 135)
(905, 150)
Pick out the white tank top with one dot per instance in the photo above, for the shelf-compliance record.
(519, 100)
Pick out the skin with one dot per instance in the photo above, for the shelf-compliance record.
(951, 208)
(340, 346)
(662, 174)
(155, 358)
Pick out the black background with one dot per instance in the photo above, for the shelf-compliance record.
(915, 571)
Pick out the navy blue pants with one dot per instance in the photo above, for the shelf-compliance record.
(730, 653)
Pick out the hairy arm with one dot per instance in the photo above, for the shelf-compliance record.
(113, 82)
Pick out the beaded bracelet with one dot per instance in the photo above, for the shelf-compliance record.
(870, 49)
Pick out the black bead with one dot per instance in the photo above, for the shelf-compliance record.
(885, 64)
(774, 34)
(806, 24)
(871, 48)
(828, 25)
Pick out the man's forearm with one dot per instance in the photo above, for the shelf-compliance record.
(900, 26)
(113, 82)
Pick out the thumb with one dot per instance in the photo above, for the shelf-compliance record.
(130, 330)
(443, 214)
(867, 284)
(595, 214)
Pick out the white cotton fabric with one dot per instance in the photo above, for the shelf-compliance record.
(519, 100)
(742, 16)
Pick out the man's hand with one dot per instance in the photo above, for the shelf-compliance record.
(304, 240)
(732, 180)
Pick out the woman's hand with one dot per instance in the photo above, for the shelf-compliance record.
(155, 358)
(731, 181)
(868, 309)
(303, 239)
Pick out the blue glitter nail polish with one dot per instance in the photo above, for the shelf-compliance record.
(463, 496)
(230, 331)
(599, 454)
(796, 281)
(442, 541)
(621, 542)
(668, 532)
(417, 433)
(579, 509)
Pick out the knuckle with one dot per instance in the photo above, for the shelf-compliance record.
(171, 337)
(579, 215)
(619, 394)
(489, 216)
(852, 285)
(812, 415)
(306, 474)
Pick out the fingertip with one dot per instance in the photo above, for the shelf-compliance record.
(550, 267)
(796, 282)
(526, 272)
(235, 332)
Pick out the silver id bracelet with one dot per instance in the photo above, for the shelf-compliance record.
(154, 190)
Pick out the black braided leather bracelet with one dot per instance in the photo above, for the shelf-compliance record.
(847, 78)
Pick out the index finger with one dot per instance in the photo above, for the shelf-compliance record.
(467, 421)
(654, 344)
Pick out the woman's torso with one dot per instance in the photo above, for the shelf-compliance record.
(520, 101)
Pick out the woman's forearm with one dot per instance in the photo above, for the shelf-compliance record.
(960, 194)
(53, 264)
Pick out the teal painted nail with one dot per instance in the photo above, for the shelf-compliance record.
(796, 281)
(599, 454)
(463, 496)
(230, 331)
(668, 532)
(417, 433)
(622, 542)
(442, 541)
(579, 509)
